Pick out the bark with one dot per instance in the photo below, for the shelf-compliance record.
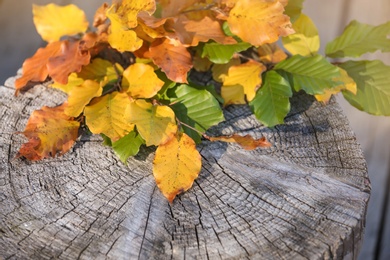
(304, 198)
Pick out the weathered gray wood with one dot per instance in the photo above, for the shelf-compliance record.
(305, 197)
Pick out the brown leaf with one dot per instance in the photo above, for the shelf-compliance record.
(34, 68)
(49, 131)
(247, 142)
(173, 59)
(73, 56)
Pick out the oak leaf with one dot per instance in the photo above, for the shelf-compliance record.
(53, 21)
(247, 142)
(49, 131)
(247, 75)
(35, 68)
(81, 95)
(140, 81)
(156, 124)
(176, 165)
(72, 58)
(259, 21)
(109, 115)
(173, 59)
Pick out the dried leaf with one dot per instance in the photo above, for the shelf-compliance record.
(125, 13)
(35, 68)
(247, 142)
(176, 165)
(53, 21)
(49, 131)
(71, 59)
(173, 59)
(140, 81)
(259, 21)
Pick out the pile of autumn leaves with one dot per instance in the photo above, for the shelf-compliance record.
(149, 99)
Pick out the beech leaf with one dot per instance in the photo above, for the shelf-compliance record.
(176, 165)
(271, 104)
(222, 53)
(247, 142)
(294, 9)
(359, 38)
(140, 81)
(259, 21)
(373, 86)
(81, 95)
(197, 108)
(109, 115)
(271, 53)
(122, 38)
(35, 68)
(247, 75)
(53, 21)
(312, 74)
(156, 124)
(101, 71)
(173, 59)
(305, 41)
(127, 146)
(49, 131)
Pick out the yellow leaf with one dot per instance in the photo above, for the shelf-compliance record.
(305, 41)
(176, 165)
(220, 71)
(156, 124)
(271, 53)
(259, 21)
(53, 21)
(140, 81)
(123, 39)
(347, 83)
(81, 95)
(109, 115)
(125, 13)
(100, 70)
(247, 75)
(233, 95)
(73, 81)
(49, 131)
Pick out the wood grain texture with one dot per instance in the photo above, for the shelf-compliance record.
(304, 198)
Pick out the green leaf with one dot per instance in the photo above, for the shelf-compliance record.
(106, 140)
(358, 39)
(222, 53)
(311, 74)
(128, 146)
(271, 103)
(294, 9)
(305, 41)
(373, 86)
(196, 108)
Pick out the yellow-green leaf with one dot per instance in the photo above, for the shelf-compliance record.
(305, 41)
(176, 165)
(140, 81)
(156, 124)
(109, 115)
(247, 75)
(53, 21)
(73, 81)
(100, 70)
(81, 95)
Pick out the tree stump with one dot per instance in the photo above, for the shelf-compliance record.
(305, 197)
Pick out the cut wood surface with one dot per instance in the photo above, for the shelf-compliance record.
(304, 198)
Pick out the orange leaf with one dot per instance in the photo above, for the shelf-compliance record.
(173, 7)
(259, 21)
(176, 165)
(34, 68)
(247, 142)
(173, 59)
(49, 131)
(71, 59)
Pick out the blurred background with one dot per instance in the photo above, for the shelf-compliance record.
(19, 40)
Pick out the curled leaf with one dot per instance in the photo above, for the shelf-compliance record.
(247, 142)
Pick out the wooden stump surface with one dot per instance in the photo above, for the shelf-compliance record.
(304, 198)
